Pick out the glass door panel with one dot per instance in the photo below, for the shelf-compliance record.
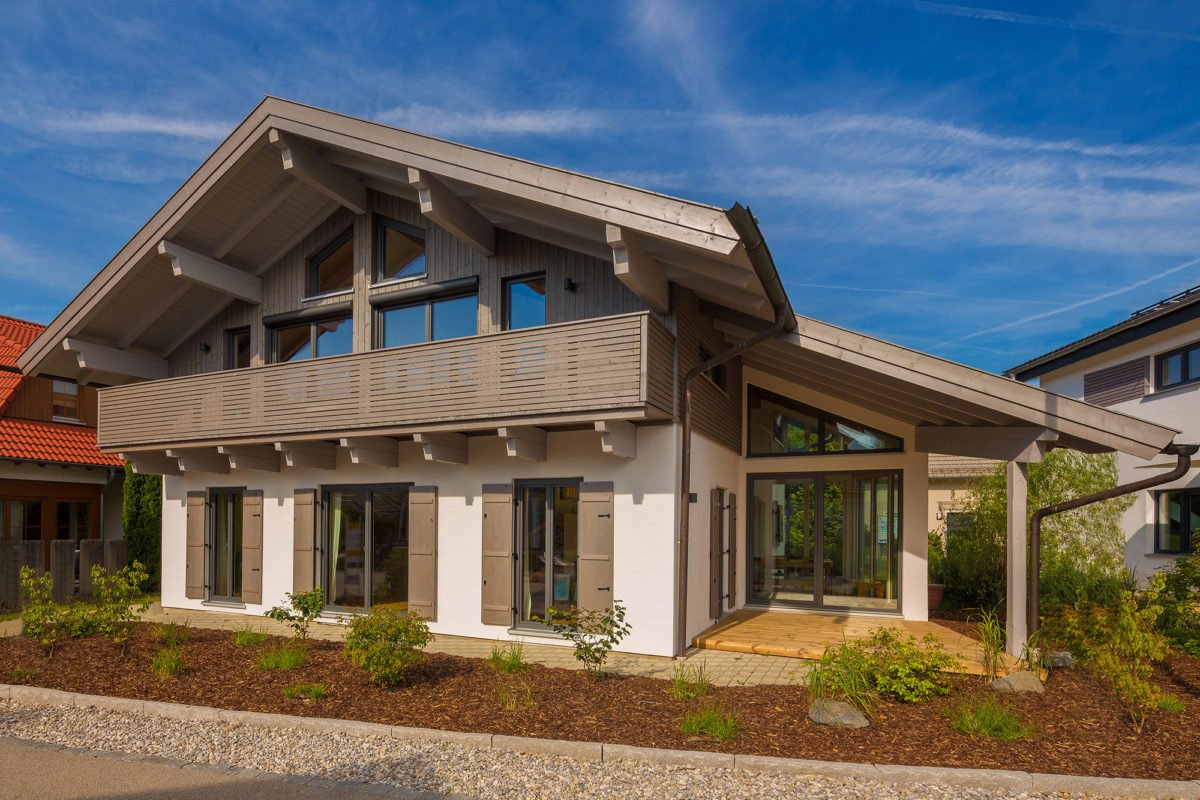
(563, 556)
(345, 583)
(225, 568)
(534, 513)
(784, 547)
(547, 549)
(389, 549)
(861, 530)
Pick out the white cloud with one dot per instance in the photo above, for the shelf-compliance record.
(113, 122)
(540, 121)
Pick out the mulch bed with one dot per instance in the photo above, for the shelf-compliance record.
(1082, 730)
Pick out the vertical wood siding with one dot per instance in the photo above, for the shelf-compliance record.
(1116, 384)
(715, 412)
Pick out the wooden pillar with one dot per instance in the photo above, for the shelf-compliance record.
(1018, 557)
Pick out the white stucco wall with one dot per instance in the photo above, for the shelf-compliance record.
(53, 472)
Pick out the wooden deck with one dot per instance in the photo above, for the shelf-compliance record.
(797, 634)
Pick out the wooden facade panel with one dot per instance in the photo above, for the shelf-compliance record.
(35, 400)
(1118, 383)
(716, 411)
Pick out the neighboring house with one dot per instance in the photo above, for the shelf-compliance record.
(54, 481)
(950, 479)
(1147, 365)
(427, 376)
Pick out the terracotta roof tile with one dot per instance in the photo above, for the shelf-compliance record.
(15, 336)
(949, 467)
(55, 442)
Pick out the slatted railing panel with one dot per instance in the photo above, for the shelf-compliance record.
(573, 367)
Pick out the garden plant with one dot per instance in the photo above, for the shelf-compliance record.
(300, 611)
(593, 633)
(386, 644)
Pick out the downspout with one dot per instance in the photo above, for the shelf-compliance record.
(764, 266)
(1183, 453)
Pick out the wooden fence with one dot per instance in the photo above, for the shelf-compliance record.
(70, 566)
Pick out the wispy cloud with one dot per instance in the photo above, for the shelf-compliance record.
(991, 14)
(113, 122)
(488, 121)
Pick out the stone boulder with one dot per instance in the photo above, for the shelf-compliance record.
(1060, 659)
(836, 714)
(1018, 683)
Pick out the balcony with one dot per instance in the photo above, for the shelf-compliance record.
(612, 367)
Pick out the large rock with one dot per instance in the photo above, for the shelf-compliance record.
(836, 714)
(1018, 683)
(1060, 659)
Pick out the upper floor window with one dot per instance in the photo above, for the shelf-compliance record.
(719, 374)
(65, 401)
(781, 426)
(1177, 525)
(326, 337)
(399, 250)
(331, 269)
(1177, 367)
(525, 302)
(237, 348)
(428, 320)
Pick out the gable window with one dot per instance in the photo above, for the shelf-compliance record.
(429, 320)
(781, 426)
(399, 250)
(331, 269)
(1177, 525)
(65, 401)
(315, 339)
(525, 302)
(1177, 367)
(237, 348)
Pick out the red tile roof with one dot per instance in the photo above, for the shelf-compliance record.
(33, 440)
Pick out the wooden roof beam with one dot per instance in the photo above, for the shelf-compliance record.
(101, 358)
(445, 208)
(306, 164)
(378, 451)
(445, 448)
(638, 271)
(261, 458)
(201, 459)
(1023, 445)
(192, 266)
(316, 455)
(617, 437)
(152, 463)
(524, 441)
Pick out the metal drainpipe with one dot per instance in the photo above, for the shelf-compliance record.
(1183, 452)
(760, 257)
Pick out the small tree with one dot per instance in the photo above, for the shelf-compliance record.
(141, 520)
(114, 616)
(593, 633)
(300, 611)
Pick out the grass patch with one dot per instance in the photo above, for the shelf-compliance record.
(172, 634)
(306, 691)
(282, 656)
(19, 675)
(689, 683)
(167, 663)
(709, 720)
(508, 659)
(515, 693)
(249, 637)
(986, 717)
(1172, 703)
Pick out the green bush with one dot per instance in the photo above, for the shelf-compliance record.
(248, 637)
(300, 611)
(508, 659)
(593, 633)
(167, 662)
(386, 644)
(937, 557)
(844, 672)
(285, 655)
(1180, 620)
(41, 618)
(114, 615)
(709, 720)
(141, 522)
(306, 691)
(985, 716)
(1172, 704)
(974, 569)
(689, 683)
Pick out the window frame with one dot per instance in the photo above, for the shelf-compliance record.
(231, 335)
(312, 323)
(378, 329)
(323, 494)
(312, 266)
(717, 375)
(379, 237)
(1183, 351)
(232, 492)
(822, 418)
(54, 392)
(506, 299)
(1186, 545)
(520, 532)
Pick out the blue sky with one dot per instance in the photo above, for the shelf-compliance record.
(980, 181)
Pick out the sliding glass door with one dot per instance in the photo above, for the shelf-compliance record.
(852, 563)
(547, 548)
(366, 547)
(225, 546)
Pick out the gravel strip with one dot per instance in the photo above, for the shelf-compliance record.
(431, 766)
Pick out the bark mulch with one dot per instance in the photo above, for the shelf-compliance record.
(1081, 727)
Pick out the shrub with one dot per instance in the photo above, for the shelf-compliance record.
(709, 720)
(386, 645)
(167, 662)
(937, 557)
(114, 615)
(141, 522)
(974, 570)
(508, 659)
(991, 641)
(41, 618)
(986, 716)
(689, 683)
(300, 611)
(249, 637)
(285, 655)
(1180, 620)
(887, 663)
(844, 672)
(172, 634)
(593, 633)
(306, 691)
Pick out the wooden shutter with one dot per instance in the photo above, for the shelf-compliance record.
(1118, 383)
(595, 546)
(197, 533)
(252, 546)
(731, 551)
(497, 589)
(715, 498)
(304, 518)
(422, 551)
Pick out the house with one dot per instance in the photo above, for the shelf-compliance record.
(1148, 365)
(422, 375)
(950, 480)
(55, 483)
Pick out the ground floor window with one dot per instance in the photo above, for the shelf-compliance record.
(547, 548)
(225, 545)
(826, 539)
(1178, 521)
(366, 547)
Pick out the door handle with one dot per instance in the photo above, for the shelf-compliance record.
(603, 588)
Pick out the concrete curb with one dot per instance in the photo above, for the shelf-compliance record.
(1003, 780)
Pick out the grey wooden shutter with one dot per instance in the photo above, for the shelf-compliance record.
(422, 551)
(731, 550)
(304, 518)
(715, 499)
(252, 546)
(197, 530)
(595, 546)
(497, 589)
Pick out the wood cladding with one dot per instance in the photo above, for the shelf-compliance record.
(35, 400)
(716, 411)
(1117, 384)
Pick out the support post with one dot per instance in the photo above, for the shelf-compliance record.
(1018, 550)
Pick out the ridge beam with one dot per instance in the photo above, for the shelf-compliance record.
(213, 274)
(525, 441)
(378, 451)
(618, 438)
(446, 448)
(641, 273)
(302, 161)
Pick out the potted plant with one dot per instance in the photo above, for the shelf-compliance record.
(937, 569)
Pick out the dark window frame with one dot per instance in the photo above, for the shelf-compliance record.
(717, 375)
(506, 302)
(427, 302)
(323, 492)
(312, 324)
(312, 267)
(210, 547)
(1186, 545)
(231, 348)
(822, 417)
(1160, 358)
(381, 224)
(519, 532)
(55, 393)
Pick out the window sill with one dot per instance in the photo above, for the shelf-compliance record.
(539, 632)
(1168, 391)
(69, 421)
(393, 282)
(222, 604)
(312, 298)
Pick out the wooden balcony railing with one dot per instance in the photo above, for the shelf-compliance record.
(593, 365)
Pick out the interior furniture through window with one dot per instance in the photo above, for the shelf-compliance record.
(1177, 367)
(366, 547)
(547, 548)
(428, 320)
(525, 302)
(331, 269)
(237, 348)
(312, 339)
(778, 425)
(65, 400)
(399, 250)
(1177, 524)
(225, 545)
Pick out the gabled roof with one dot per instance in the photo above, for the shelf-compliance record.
(15, 336)
(943, 467)
(1150, 320)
